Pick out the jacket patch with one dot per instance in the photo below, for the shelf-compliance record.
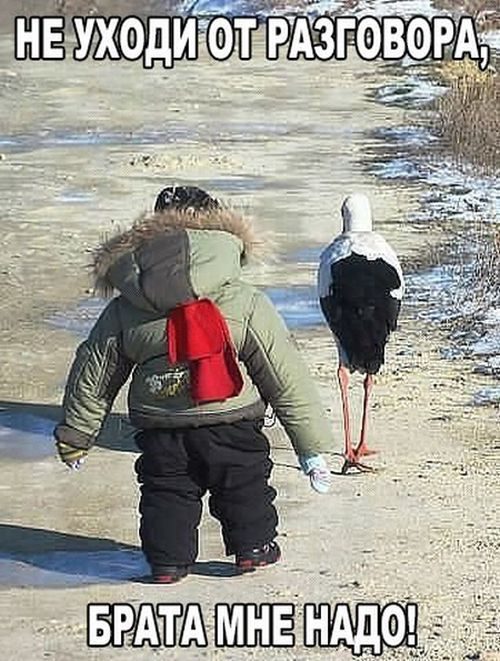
(174, 383)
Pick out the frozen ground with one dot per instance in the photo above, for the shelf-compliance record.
(442, 294)
(363, 7)
(450, 192)
(436, 294)
(298, 305)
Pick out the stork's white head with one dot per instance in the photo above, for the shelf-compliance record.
(357, 213)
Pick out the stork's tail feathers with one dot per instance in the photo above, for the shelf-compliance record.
(366, 365)
(363, 339)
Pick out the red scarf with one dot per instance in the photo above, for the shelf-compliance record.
(197, 333)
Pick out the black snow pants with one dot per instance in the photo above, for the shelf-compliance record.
(178, 466)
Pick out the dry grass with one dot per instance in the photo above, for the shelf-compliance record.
(283, 4)
(486, 13)
(474, 262)
(467, 117)
(84, 8)
(125, 7)
(479, 288)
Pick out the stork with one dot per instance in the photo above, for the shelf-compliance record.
(360, 286)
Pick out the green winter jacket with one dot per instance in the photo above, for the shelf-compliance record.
(165, 260)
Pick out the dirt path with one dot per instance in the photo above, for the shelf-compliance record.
(287, 142)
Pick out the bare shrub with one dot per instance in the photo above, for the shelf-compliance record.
(467, 116)
(479, 273)
(486, 13)
(472, 263)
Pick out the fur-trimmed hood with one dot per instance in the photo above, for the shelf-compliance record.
(168, 258)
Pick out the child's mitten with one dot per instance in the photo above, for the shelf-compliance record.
(71, 456)
(316, 468)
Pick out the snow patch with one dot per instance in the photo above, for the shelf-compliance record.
(404, 8)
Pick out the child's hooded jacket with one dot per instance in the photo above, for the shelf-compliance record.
(163, 261)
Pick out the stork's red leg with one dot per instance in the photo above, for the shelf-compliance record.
(362, 449)
(343, 377)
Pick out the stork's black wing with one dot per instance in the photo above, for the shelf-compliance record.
(360, 309)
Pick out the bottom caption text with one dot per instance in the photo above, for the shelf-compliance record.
(364, 627)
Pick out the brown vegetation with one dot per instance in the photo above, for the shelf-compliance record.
(485, 12)
(467, 117)
(479, 288)
(472, 257)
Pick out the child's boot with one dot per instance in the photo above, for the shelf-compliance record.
(259, 557)
(167, 574)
